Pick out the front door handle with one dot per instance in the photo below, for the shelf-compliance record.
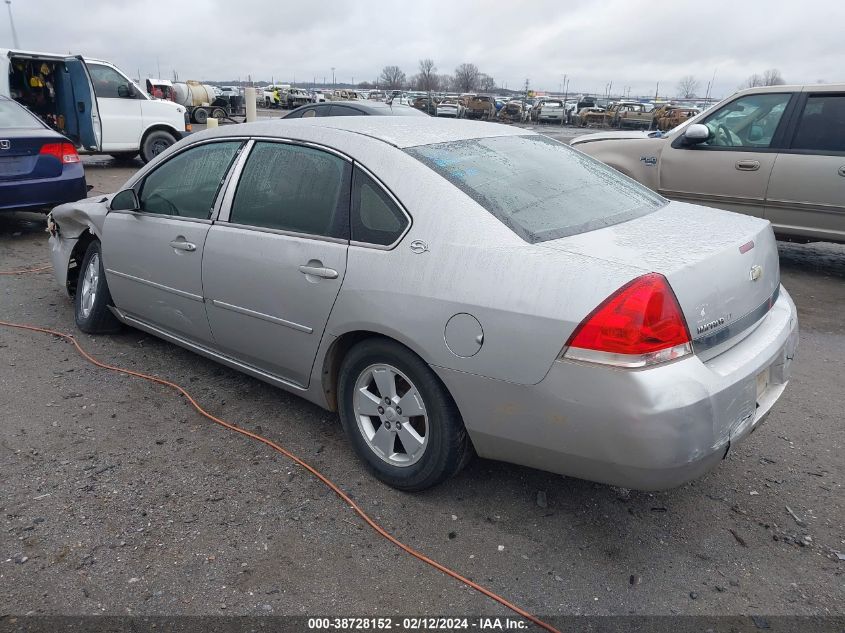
(181, 245)
(842, 171)
(318, 271)
(748, 165)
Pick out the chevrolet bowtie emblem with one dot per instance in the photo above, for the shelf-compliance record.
(756, 272)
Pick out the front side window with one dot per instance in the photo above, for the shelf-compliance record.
(293, 188)
(750, 121)
(539, 188)
(187, 184)
(110, 84)
(375, 218)
(822, 124)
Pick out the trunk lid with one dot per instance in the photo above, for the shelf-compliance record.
(722, 266)
(21, 158)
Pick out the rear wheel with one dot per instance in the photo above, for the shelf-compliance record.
(201, 116)
(155, 143)
(92, 300)
(400, 419)
(218, 113)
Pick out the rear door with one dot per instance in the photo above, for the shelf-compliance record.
(806, 195)
(89, 129)
(153, 255)
(731, 170)
(274, 263)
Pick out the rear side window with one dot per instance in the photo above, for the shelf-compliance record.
(13, 115)
(539, 188)
(376, 219)
(339, 110)
(822, 124)
(187, 184)
(293, 188)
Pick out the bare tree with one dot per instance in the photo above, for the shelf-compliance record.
(466, 77)
(427, 77)
(486, 82)
(771, 77)
(446, 82)
(392, 78)
(366, 85)
(687, 87)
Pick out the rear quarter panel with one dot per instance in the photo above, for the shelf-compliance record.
(636, 158)
(528, 299)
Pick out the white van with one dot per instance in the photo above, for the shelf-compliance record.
(92, 102)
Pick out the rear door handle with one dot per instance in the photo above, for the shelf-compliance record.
(181, 245)
(319, 271)
(748, 165)
(842, 171)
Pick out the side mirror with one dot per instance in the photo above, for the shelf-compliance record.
(696, 133)
(126, 200)
(126, 91)
(755, 133)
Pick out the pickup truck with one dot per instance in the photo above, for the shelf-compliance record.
(93, 103)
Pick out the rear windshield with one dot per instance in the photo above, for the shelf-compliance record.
(14, 116)
(539, 188)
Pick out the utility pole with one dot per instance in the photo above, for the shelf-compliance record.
(565, 95)
(333, 80)
(657, 91)
(12, 25)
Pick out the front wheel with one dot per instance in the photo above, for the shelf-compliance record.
(92, 300)
(155, 143)
(400, 419)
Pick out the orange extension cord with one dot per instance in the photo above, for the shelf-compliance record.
(255, 436)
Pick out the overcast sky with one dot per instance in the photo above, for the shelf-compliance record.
(634, 43)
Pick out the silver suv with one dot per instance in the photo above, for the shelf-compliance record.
(776, 152)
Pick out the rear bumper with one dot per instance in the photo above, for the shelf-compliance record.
(650, 429)
(44, 192)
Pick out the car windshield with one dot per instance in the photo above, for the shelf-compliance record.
(539, 188)
(14, 116)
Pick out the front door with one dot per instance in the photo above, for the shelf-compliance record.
(731, 169)
(807, 190)
(120, 108)
(273, 267)
(153, 255)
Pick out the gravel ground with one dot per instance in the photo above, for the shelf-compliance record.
(119, 499)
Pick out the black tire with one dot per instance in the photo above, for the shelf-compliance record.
(218, 113)
(124, 156)
(448, 447)
(99, 319)
(155, 143)
(201, 116)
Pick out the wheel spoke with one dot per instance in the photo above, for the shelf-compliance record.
(367, 402)
(386, 383)
(411, 404)
(411, 440)
(383, 441)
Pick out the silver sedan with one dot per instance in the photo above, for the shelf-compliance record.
(449, 288)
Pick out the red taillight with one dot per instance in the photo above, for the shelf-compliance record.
(640, 324)
(65, 152)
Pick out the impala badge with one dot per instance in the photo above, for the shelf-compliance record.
(756, 272)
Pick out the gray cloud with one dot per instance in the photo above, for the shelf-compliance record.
(593, 42)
